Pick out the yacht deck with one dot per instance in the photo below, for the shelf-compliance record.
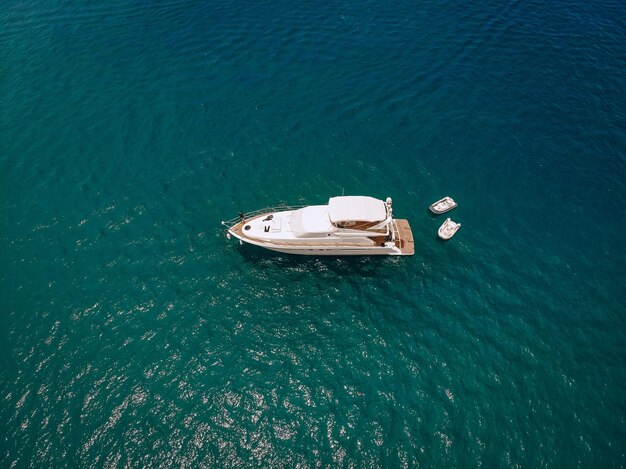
(404, 237)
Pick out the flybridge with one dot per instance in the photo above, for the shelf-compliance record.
(356, 208)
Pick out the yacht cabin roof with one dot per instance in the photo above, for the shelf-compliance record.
(356, 208)
(310, 220)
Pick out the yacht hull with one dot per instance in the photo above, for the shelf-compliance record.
(373, 251)
(403, 245)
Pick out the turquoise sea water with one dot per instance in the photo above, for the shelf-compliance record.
(133, 333)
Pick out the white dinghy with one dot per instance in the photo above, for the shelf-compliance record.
(448, 229)
(443, 205)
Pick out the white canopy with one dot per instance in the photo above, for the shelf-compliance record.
(310, 220)
(356, 208)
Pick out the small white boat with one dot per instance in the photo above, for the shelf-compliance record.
(443, 205)
(345, 226)
(447, 230)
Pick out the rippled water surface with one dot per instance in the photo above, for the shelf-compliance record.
(133, 333)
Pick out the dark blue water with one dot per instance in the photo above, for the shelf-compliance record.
(133, 333)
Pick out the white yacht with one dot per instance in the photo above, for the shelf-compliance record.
(347, 225)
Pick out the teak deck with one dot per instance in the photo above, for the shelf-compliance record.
(405, 237)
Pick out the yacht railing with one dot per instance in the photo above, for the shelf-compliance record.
(395, 233)
(254, 213)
